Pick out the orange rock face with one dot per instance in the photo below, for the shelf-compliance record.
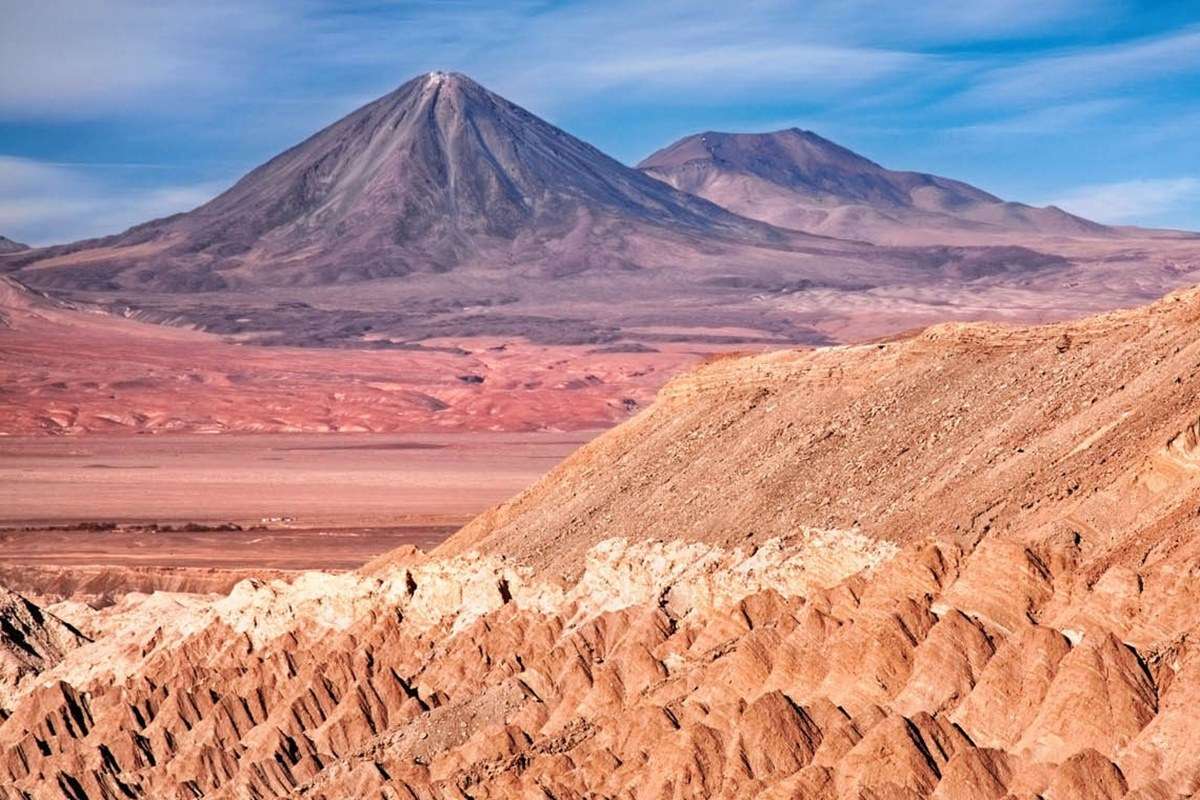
(997, 625)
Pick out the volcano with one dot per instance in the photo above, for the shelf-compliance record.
(796, 179)
(439, 174)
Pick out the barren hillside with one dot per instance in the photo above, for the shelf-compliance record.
(1082, 428)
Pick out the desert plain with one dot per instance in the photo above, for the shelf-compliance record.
(105, 514)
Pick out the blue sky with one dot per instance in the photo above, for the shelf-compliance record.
(115, 112)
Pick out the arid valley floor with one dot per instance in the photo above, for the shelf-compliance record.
(101, 514)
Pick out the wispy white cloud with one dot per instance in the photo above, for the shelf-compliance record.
(1130, 201)
(1088, 71)
(43, 203)
(78, 57)
(71, 58)
(937, 22)
(1049, 120)
(732, 68)
(550, 55)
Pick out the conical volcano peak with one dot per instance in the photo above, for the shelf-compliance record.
(432, 87)
(438, 173)
(439, 77)
(454, 81)
(454, 94)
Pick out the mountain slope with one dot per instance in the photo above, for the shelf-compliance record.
(956, 432)
(796, 179)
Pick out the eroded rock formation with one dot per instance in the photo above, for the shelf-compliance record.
(667, 670)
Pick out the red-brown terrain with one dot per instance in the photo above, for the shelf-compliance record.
(69, 369)
(956, 565)
(97, 517)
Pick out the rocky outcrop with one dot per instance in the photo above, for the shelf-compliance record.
(32, 641)
(667, 670)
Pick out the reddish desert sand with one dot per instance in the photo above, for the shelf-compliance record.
(329, 480)
(99, 516)
(67, 369)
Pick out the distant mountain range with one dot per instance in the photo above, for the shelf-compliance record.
(443, 210)
(796, 179)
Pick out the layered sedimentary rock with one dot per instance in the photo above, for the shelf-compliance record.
(667, 670)
(101, 585)
(726, 638)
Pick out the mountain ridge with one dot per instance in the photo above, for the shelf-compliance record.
(797, 179)
(442, 211)
(9, 246)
